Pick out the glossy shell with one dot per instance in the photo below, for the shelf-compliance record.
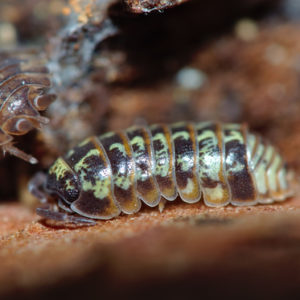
(24, 82)
(221, 163)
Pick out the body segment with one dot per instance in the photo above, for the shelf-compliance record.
(222, 163)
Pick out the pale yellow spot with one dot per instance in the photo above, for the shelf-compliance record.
(181, 134)
(185, 163)
(161, 156)
(69, 185)
(122, 182)
(120, 148)
(209, 157)
(189, 189)
(259, 175)
(101, 188)
(272, 174)
(139, 141)
(234, 136)
(81, 164)
(214, 195)
(59, 168)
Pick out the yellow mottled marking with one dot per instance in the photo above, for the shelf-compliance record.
(161, 156)
(118, 146)
(181, 134)
(234, 135)
(189, 189)
(101, 188)
(214, 195)
(81, 164)
(59, 168)
(185, 162)
(139, 141)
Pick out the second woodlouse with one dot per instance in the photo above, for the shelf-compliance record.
(104, 176)
(24, 82)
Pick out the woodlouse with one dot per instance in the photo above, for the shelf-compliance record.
(113, 173)
(24, 82)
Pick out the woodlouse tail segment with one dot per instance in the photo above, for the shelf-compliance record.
(49, 212)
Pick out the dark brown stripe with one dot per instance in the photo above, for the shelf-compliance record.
(185, 153)
(118, 151)
(146, 183)
(89, 206)
(90, 168)
(164, 155)
(237, 169)
(59, 187)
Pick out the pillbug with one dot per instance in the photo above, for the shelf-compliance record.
(104, 176)
(24, 81)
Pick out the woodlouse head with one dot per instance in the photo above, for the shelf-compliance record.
(56, 208)
(62, 182)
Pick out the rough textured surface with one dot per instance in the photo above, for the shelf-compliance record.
(185, 249)
(146, 6)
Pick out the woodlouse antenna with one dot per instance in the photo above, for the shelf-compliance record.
(48, 213)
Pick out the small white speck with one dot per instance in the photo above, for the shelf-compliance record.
(190, 78)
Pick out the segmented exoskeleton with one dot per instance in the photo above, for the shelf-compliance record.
(24, 82)
(113, 173)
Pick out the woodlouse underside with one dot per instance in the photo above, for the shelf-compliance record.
(104, 176)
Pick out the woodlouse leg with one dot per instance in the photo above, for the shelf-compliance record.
(49, 213)
(162, 204)
(19, 153)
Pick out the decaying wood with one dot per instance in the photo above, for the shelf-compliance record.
(186, 250)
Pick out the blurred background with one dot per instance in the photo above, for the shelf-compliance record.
(115, 63)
